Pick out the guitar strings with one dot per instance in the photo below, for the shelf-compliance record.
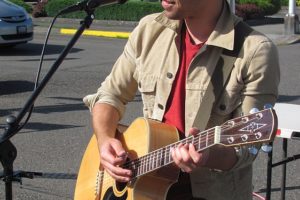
(144, 161)
(152, 156)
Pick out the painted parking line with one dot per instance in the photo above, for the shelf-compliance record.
(97, 33)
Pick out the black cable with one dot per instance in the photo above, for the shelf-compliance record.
(39, 69)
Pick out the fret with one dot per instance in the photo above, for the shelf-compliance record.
(211, 140)
(147, 164)
(144, 165)
(167, 155)
(159, 158)
(150, 161)
(162, 156)
(206, 144)
(135, 165)
(138, 167)
(153, 160)
(170, 154)
(199, 142)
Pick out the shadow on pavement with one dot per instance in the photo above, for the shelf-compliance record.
(288, 98)
(33, 49)
(48, 109)
(12, 87)
(265, 20)
(279, 189)
(41, 127)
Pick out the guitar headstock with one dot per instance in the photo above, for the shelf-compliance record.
(259, 127)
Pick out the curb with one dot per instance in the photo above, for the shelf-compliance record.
(110, 34)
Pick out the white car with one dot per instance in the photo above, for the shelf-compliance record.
(15, 24)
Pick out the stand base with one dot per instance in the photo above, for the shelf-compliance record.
(291, 24)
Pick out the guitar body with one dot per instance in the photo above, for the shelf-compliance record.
(140, 138)
(149, 146)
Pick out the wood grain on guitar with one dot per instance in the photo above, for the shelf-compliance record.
(149, 145)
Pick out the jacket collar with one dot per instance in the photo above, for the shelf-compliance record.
(223, 34)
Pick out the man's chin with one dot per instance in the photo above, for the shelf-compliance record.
(172, 16)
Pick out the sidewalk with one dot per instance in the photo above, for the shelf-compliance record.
(272, 26)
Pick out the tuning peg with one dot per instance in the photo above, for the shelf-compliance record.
(267, 148)
(253, 150)
(268, 105)
(253, 110)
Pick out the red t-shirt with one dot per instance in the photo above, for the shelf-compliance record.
(175, 110)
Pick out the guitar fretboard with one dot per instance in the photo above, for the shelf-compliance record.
(162, 157)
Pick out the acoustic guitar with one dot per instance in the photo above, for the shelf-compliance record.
(149, 145)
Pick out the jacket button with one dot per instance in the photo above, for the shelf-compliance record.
(169, 75)
(160, 106)
(222, 107)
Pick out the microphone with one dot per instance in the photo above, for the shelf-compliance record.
(90, 5)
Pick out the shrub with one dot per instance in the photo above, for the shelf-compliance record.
(130, 11)
(269, 7)
(249, 11)
(39, 9)
(22, 4)
(286, 2)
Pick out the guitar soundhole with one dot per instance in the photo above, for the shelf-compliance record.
(109, 195)
(120, 186)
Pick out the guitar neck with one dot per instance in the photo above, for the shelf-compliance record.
(254, 128)
(162, 157)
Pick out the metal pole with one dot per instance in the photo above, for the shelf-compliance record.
(232, 5)
(269, 174)
(292, 7)
(283, 178)
(291, 20)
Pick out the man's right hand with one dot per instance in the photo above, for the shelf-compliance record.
(112, 156)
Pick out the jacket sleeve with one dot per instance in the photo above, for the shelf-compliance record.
(120, 85)
(261, 79)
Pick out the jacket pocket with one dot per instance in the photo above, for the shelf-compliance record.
(147, 87)
(224, 107)
(228, 102)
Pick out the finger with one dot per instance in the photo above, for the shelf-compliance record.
(194, 131)
(196, 156)
(118, 148)
(182, 153)
(108, 155)
(177, 154)
(175, 158)
(182, 158)
(113, 153)
(118, 173)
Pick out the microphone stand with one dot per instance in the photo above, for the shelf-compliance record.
(8, 151)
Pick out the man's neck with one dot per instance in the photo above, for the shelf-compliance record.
(201, 27)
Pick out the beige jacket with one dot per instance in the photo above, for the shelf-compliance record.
(149, 64)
